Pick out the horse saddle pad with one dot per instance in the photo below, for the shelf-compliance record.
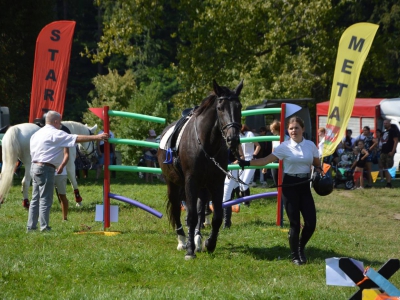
(164, 143)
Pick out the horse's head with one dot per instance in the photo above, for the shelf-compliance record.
(229, 111)
(89, 148)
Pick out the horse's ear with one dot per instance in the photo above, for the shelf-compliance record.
(217, 88)
(93, 129)
(238, 89)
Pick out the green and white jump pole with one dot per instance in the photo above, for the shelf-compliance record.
(104, 113)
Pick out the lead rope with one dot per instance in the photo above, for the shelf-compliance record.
(238, 180)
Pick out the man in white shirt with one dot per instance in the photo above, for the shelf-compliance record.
(47, 154)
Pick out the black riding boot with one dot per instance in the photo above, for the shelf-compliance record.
(294, 248)
(247, 193)
(235, 193)
(227, 217)
(305, 237)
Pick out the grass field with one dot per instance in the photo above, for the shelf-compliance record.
(250, 262)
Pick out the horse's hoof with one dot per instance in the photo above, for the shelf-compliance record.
(181, 243)
(78, 204)
(181, 247)
(198, 244)
(78, 197)
(25, 203)
(190, 256)
(210, 246)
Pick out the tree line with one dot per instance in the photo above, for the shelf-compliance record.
(160, 57)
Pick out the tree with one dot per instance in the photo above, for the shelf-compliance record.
(270, 44)
(381, 71)
(20, 24)
(121, 94)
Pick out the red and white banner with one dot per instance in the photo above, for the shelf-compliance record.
(50, 73)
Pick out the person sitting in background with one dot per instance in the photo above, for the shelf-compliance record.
(337, 154)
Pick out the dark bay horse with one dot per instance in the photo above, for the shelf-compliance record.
(200, 162)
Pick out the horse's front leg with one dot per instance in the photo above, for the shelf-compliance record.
(192, 193)
(202, 202)
(211, 242)
(181, 235)
(198, 238)
(191, 207)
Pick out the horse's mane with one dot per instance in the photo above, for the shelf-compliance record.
(206, 103)
(210, 100)
(76, 128)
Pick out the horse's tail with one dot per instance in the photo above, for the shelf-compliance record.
(170, 213)
(174, 208)
(11, 148)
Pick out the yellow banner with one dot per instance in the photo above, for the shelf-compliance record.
(353, 49)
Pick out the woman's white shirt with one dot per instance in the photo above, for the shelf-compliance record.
(297, 157)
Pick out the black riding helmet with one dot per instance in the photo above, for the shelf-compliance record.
(322, 183)
(41, 122)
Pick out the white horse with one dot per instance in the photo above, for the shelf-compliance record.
(15, 145)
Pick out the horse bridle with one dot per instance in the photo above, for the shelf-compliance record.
(229, 125)
(226, 126)
(87, 149)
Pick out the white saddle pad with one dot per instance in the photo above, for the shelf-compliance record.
(164, 140)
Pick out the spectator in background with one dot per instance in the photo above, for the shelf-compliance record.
(321, 140)
(150, 155)
(348, 142)
(250, 150)
(359, 164)
(231, 188)
(266, 149)
(100, 153)
(369, 145)
(377, 152)
(390, 138)
(275, 128)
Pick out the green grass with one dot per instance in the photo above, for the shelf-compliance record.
(250, 262)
